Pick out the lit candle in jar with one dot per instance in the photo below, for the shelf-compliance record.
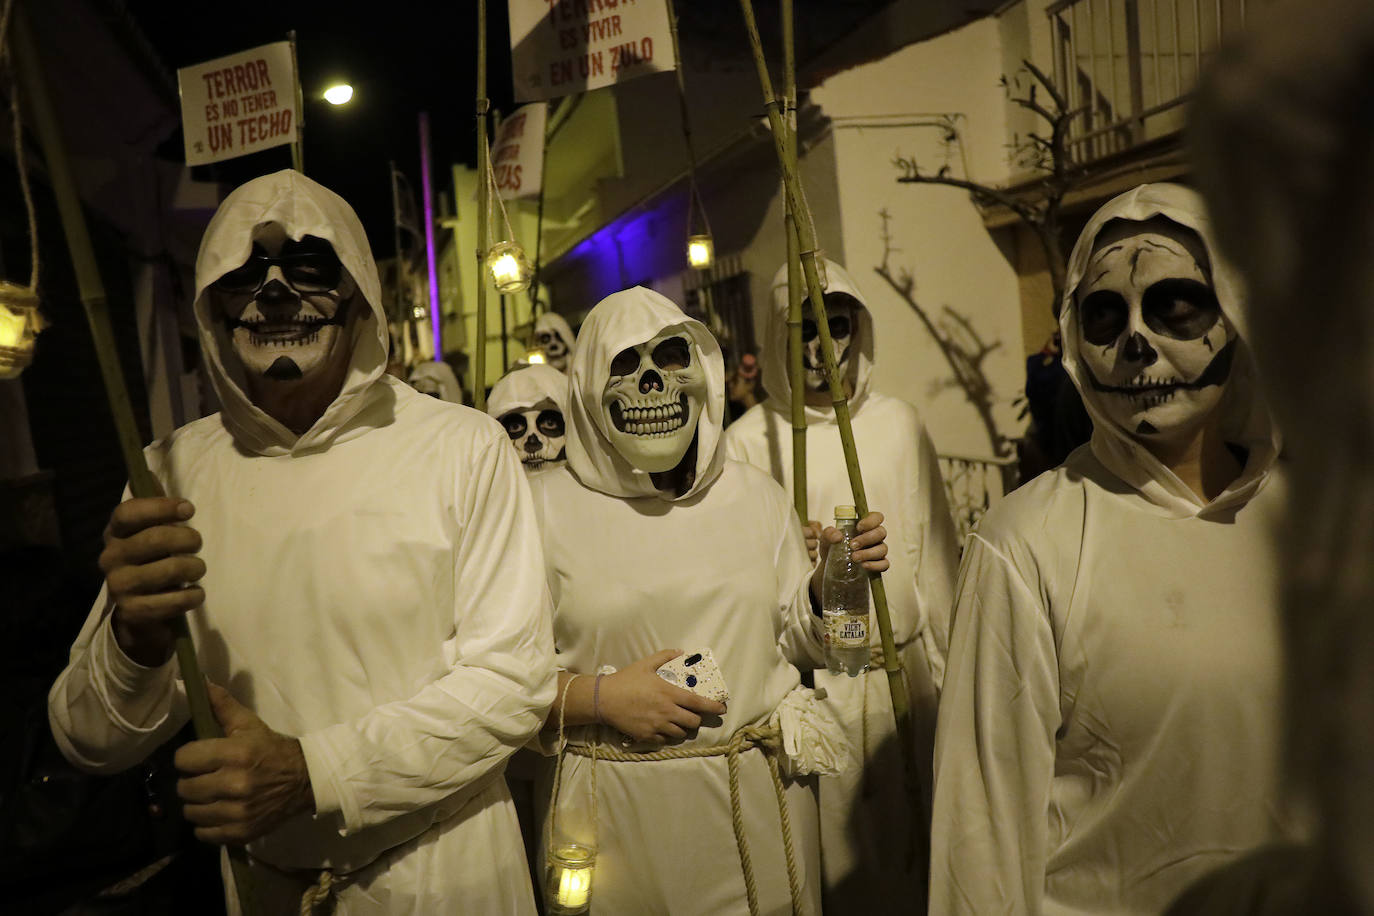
(569, 888)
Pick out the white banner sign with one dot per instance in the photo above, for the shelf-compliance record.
(238, 104)
(517, 153)
(561, 47)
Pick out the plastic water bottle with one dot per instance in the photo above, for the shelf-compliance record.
(844, 602)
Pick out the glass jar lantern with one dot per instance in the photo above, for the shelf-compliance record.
(20, 323)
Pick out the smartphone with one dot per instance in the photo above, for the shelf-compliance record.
(698, 672)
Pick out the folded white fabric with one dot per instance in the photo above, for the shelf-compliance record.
(812, 740)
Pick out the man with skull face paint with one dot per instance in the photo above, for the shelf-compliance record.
(1108, 727)
(529, 403)
(654, 540)
(381, 625)
(554, 336)
(902, 476)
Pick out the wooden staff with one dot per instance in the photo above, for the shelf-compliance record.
(479, 357)
(142, 482)
(806, 239)
(795, 285)
(297, 145)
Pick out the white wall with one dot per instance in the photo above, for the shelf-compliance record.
(936, 232)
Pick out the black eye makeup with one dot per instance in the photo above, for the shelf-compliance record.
(1103, 315)
(1180, 308)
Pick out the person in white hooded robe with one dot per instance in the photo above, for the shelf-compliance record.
(866, 817)
(704, 555)
(530, 402)
(555, 338)
(1109, 723)
(384, 618)
(437, 380)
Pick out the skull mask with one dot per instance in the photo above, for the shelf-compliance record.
(842, 320)
(1155, 345)
(538, 434)
(286, 306)
(653, 400)
(554, 346)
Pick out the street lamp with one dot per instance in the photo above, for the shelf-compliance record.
(338, 94)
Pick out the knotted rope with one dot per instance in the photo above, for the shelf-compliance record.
(317, 893)
(766, 738)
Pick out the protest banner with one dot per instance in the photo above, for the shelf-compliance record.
(517, 152)
(561, 47)
(239, 104)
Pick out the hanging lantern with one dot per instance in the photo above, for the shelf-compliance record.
(701, 251)
(510, 267)
(568, 890)
(20, 323)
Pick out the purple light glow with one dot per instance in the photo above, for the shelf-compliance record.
(435, 311)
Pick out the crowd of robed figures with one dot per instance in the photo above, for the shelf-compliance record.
(390, 608)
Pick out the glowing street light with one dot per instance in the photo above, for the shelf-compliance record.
(338, 94)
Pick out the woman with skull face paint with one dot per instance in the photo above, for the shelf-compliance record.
(653, 540)
(529, 403)
(902, 476)
(1109, 720)
(374, 600)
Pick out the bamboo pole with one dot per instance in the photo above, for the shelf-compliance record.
(806, 239)
(795, 292)
(142, 482)
(297, 145)
(479, 356)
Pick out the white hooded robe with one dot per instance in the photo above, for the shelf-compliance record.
(633, 571)
(1109, 723)
(865, 810)
(374, 587)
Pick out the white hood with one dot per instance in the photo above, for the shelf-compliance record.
(1245, 416)
(302, 207)
(626, 319)
(440, 376)
(522, 388)
(775, 379)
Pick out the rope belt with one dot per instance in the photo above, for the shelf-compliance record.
(766, 738)
(322, 883)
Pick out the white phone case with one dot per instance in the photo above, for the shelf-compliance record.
(698, 672)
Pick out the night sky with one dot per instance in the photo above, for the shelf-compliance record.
(400, 57)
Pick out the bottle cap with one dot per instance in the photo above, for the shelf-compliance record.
(845, 513)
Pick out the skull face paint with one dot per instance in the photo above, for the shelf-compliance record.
(653, 400)
(842, 320)
(538, 434)
(286, 306)
(554, 346)
(1155, 344)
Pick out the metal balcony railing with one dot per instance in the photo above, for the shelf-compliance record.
(1130, 64)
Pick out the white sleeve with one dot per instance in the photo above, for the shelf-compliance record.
(939, 557)
(994, 744)
(461, 728)
(106, 711)
(802, 634)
